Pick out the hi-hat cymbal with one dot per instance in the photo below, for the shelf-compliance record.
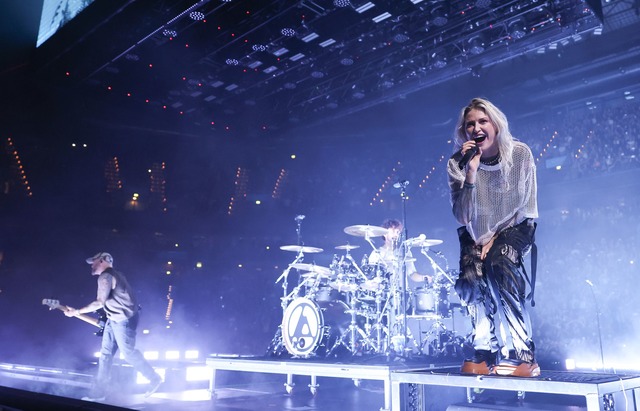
(299, 248)
(347, 247)
(422, 241)
(317, 269)
(365, 230)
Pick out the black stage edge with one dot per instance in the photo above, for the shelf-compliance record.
(12, 399)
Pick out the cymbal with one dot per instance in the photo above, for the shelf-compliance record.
(365, 230)
(317, 269)
(422, 241)
(303, 248)
(347, 247)
(314, 275)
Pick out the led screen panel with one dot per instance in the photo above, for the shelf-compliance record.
(57, 13)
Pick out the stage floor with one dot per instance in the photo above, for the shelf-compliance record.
(268, 393)
(259, 383)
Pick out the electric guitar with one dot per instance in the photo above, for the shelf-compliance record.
(96, 322)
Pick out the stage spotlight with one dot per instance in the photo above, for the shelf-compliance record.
(346, 61)
(196, 15)
(341, 3)
(288, 32)
(517, 29)
(169, 33)
(476, 45)
(439, 60)
(439, 16)
(357, 92)
(362, 6)
(400, 34)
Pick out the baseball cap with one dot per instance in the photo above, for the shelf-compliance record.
(106, 256)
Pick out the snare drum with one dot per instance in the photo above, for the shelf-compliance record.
(312, 328)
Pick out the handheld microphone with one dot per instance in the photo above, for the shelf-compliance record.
(470, 153)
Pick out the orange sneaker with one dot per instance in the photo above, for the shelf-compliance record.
(517, 368)
(480, 364)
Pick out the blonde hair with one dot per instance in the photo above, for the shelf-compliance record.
(498, 119)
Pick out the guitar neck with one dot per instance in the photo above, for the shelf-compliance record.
(86, 318)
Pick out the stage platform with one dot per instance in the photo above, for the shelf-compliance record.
(243, 383)
(356, 369)
(417, 385)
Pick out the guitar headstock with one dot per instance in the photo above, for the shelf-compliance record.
(52, 304)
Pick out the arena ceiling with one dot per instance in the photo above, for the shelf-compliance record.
(260, 66)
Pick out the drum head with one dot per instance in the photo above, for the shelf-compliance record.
(302, 327)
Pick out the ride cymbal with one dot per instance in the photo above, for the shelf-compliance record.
(366, 230)
(347, 247)
(422, 241)
(303, 248)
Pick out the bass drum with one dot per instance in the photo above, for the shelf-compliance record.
(313, 328)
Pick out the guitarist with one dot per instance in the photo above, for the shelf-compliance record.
(117, 299)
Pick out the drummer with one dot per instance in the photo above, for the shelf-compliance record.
(390, 253)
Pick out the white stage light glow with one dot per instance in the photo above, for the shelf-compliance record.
(141, 379)
(151, 355)
(191, 354)
(198, 373)
(172, 355)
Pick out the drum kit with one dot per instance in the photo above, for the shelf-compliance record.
(353, 308)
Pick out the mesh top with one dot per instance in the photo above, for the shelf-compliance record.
(496, 201)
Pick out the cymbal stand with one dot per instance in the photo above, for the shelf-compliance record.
(353, 331)
(437, 330)
(402, 269)
(436, 268)
(381, 330)
(276, 346)
(396, 314)
(355, 265)
(285, 284)
(285, 274)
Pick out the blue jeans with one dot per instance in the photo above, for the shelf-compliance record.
(121, 335)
